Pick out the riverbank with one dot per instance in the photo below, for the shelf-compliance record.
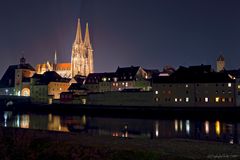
(216, 113)
(37, 144)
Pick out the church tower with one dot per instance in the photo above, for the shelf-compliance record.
(82, 53)
(220, 63)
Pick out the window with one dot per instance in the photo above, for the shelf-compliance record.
(187, 99)
(186, 85)
(175, 99)
(156, 92)
(223, 99)
(217, 99)
(238, 86)
(156, 99)
(229, 84)
(206, 99)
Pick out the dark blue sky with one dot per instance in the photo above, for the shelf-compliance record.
(150, 33)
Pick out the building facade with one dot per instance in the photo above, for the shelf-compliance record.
(81, 58)
(16, 80)
(82, 53)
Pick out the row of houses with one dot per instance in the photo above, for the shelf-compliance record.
(131, 86)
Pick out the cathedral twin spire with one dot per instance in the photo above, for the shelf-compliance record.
(82, 53)
(79, 39)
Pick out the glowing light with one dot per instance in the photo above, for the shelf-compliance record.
(25, 119)
(176, 125)
(187, 99)
(206, 99)
(84, 120)
(5, 119)
(157, 128)
(188, 126)
(180, 125)
(217, 128)
(229, 84)
(156, 92)
(206, 124)
(217, 99)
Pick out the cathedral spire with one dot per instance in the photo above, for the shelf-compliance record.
(87, 37)
(55, 57)
(78, 39)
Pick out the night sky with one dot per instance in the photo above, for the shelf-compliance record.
(149, 33)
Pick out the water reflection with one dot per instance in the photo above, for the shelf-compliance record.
(217, 128)
(25, 119)
(133, 128)
(206, 124)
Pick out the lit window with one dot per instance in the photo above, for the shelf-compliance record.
(113, 84)
(229, 84)
(223, 99)
(126, 84)
(156, 99)
(206, 99)
(217, 99)
(238, 86)
(229, 99)
(123, 83)
(186, 85)
(175, 99)
(156, 92)
(187, 99)
(180, 99)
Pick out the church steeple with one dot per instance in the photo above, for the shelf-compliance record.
(78, 39)
(87, 42)
(55, 57)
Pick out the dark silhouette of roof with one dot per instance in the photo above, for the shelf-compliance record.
(195, 74)
(80, 79)
(49, 76)
(8, 79)
(94, 78)
(76, 87)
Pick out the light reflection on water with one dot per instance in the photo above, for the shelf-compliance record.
(125, 127)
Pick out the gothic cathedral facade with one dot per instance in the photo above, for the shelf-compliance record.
(82, 53)
(81, 58)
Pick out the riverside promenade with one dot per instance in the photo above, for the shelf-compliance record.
(37, 144)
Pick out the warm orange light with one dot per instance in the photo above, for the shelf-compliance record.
(217, 127)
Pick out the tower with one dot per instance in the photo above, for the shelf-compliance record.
(55, 57)
(82, 53)
(220, 63)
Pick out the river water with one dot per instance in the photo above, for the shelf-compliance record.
(210, 130)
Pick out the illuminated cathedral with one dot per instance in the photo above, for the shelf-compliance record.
(81, 58)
